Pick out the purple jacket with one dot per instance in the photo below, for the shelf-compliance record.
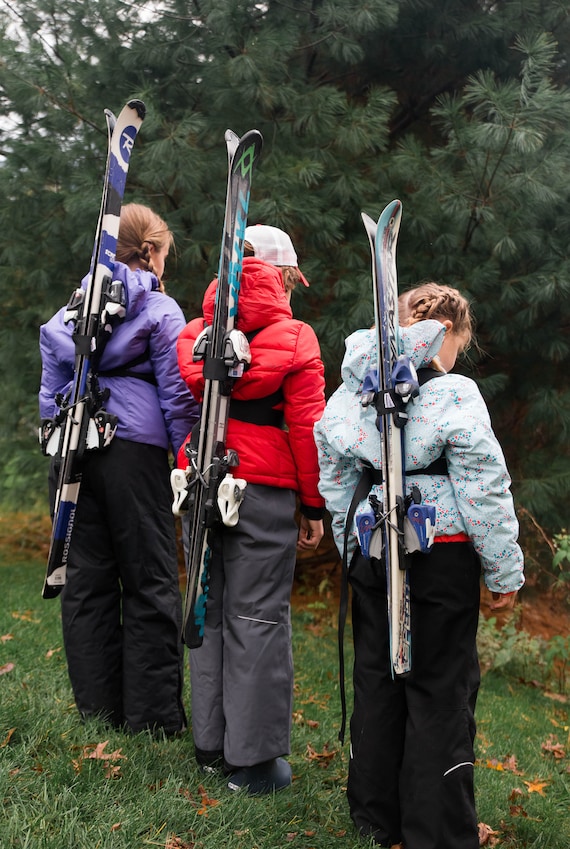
(160, 414)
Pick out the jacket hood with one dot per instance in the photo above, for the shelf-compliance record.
(137, 285)
(421, 342)
(262, 299)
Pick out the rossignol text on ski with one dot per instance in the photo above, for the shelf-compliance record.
(82, 422)
(404, 524)
(207, 489)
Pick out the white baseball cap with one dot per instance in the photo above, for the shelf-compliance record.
(274, 246)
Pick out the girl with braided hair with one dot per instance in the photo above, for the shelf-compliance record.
(410, 781)
(121, 606)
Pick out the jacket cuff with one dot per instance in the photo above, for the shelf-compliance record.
(312, 512)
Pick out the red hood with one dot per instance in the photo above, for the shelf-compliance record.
(262, 299)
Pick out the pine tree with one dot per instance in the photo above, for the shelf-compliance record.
(460, 108)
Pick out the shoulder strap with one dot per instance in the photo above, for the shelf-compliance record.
(367, 479)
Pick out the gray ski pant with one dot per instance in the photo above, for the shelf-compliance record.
(242, 675)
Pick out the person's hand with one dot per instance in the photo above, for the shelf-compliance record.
(311, 532)
(503, 601)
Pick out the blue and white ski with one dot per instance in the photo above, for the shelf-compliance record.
(207, 489)
(93, 312)
(383, 237)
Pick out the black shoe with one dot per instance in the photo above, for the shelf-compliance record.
(266, 777)
(210, 761)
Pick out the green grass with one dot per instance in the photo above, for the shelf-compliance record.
(56, 798)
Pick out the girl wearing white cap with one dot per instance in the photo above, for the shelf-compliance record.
(242, 675)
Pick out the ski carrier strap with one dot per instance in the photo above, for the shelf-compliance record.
(367, 479)
(259, 411)
(126, 369)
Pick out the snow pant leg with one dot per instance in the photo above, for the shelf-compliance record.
(91, 611)
(437, 794)
(377, 726)
(258, 561)
(124, 549)
(259, 564)
(145, 539)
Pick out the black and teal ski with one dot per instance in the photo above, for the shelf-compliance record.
(224, 352)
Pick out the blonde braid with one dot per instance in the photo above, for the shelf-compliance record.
(434, 301)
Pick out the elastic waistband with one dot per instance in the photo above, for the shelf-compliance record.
(453, 538)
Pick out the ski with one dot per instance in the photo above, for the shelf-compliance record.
(211, 492)
(82, 421)
(383, 237)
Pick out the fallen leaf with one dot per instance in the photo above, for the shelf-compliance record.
(26, 616)
(174, 842)
(116, 826)
(8, 667)
(536, 786)
(508, 764)
(97, 752)
(487, 836)
(554, 747)
(5, 638)
(51, 652)
(323, 757)
(557, 697)
(517, 811)
(206, 801)
(7, 738)
(291, 835)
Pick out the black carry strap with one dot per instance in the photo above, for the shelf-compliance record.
(368, 478)
(126, 369)
(259, 411)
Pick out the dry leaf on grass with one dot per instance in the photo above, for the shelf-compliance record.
(536, 786)
(553, 747)
(97, 752)
(487, 835)
(323, 758)
(7, 738)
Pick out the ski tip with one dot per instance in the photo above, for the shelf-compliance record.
(111, 119)
(138, 106)
(232, 142)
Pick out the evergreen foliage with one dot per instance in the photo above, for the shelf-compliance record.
(460, 109)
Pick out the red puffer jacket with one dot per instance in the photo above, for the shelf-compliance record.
(285, 358)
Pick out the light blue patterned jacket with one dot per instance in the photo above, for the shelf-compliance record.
(449, 418)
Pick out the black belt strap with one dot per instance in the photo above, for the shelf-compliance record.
(259, 411)
(126, 369)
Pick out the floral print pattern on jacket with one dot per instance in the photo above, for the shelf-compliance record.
(449, 418)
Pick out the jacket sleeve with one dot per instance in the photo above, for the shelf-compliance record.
(192, 373)
(304, 402)
(57, 368)
(178, 406)
(481, 483)
(340, 470)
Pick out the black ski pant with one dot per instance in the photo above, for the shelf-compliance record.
(412, 759)
(121, 605)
